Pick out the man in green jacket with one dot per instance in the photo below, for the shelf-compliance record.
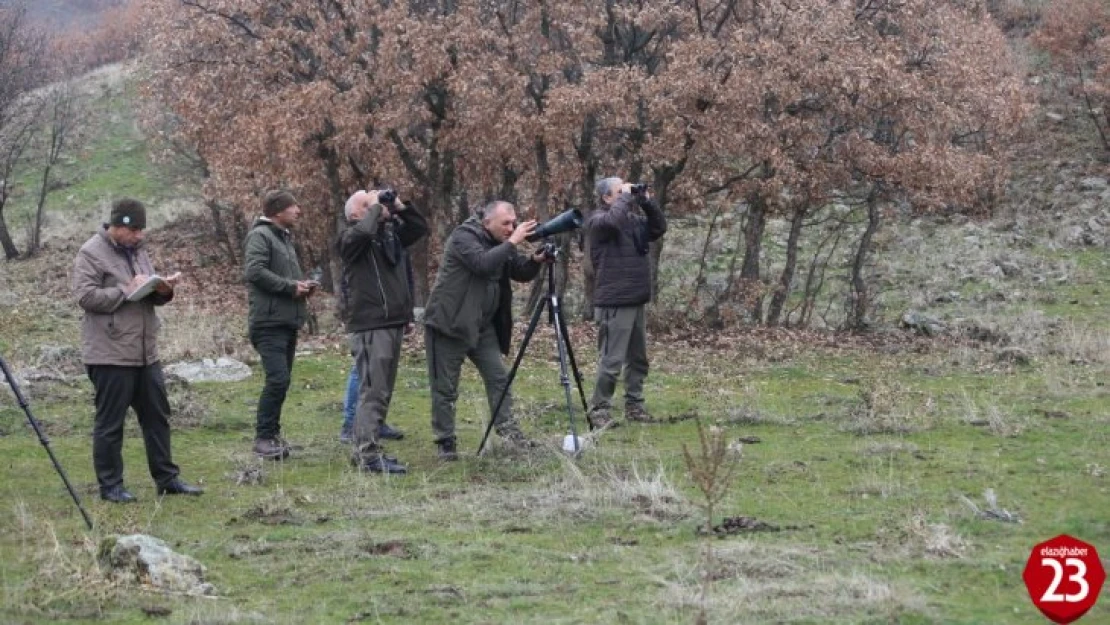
(469, 315)
(379, 306)
(119, 337)
(277, 294)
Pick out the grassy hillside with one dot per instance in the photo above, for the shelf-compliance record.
(109, 158)
(864, 465)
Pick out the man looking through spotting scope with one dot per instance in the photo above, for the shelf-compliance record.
(619, 237)
(469, 315)
(379, 227)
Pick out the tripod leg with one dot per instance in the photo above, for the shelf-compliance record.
(563, 344)
(22, 401)
(577, 374)
(512, 373)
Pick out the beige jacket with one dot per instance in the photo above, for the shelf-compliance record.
(115, 331)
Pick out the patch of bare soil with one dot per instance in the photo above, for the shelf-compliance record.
(732, 526)
(391, 548)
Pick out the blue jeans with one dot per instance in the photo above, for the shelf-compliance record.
(350, 402)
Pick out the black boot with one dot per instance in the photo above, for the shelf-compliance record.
(379, 463)
(116, 494)
(447, 450)
(389, 433)
(178, 487)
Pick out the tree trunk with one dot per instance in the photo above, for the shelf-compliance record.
(587, 159)
(700, 280)
(859, 298)
(543, 193)
(753, 248)
(219, 229)
(786, 278)
(36, 226)
(10, 250)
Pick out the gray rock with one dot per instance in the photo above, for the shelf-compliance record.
(1093, 183)
(1009, 269)
(208, 370)
(1016, 355)
(146, 560)
(923, 324)
(1075, 235)
(59, 356)
(8, 299)
(1056, 117)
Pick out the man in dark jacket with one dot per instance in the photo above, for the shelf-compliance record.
(469, 315)
(379, 306)
(277, 295)
(119, 336)
(619, 238)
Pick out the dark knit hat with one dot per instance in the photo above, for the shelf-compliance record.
(276, 201)
(129, 213)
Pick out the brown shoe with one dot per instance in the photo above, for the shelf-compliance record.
(270, 449)
(638, 414)
(600, 419)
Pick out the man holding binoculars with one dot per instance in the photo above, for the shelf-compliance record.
(380, 306)
(619, 238)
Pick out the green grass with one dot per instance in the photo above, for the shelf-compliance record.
(606, 539)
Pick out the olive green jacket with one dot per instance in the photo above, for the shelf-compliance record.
(271, 271)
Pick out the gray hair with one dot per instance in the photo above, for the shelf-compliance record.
(484, 212)
(349, 207)
(604, 186)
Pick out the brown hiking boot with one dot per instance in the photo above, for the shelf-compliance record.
(638, 414)
(270, 448)
(600, 419)
(514, 437)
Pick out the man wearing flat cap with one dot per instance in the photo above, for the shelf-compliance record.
(119, 336)
(277, 292)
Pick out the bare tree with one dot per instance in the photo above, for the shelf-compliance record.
(63, 111)
(22, 48)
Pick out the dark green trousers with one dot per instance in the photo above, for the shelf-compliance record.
(445, 357)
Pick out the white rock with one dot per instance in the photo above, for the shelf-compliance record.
(208, 370)
(149, 561)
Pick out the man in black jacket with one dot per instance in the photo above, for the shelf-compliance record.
(469, 315)
(379, 306)
(619, 238)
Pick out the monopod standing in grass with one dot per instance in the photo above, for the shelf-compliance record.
(619, 240)
(116, 285)
(379, 228)
(277, 310)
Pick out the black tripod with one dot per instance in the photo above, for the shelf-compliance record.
(43, 439)
(566, 354)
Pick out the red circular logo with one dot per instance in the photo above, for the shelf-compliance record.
(1064, 576)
